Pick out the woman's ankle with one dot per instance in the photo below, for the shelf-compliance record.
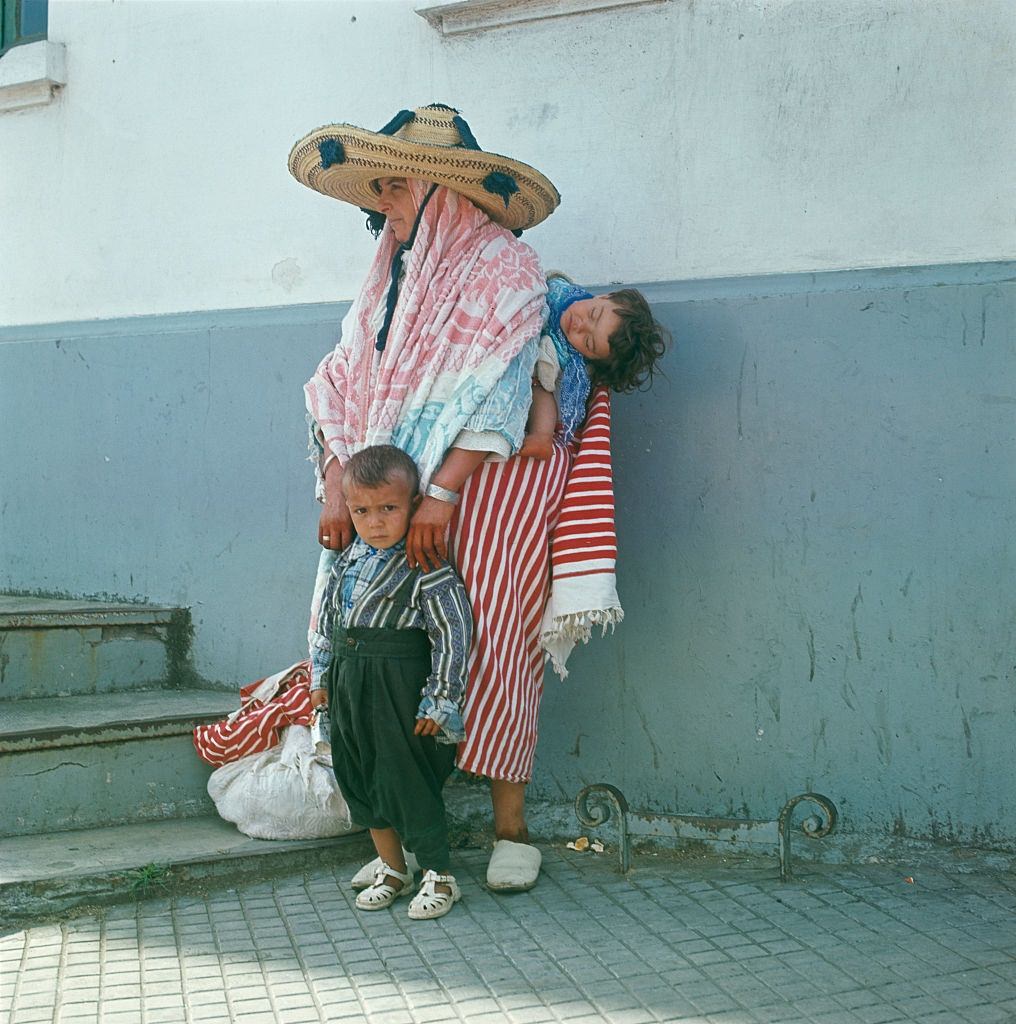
(509, 804)
(513, 835)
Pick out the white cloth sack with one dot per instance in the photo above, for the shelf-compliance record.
(285, 792)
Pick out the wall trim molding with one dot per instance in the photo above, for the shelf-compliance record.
(820, 282)
(694, 290)
(462, 16)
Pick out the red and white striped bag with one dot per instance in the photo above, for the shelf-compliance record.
(266, 707)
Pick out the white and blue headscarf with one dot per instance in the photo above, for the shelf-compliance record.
(573, 392)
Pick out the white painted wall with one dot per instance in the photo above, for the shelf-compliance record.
(696, 138)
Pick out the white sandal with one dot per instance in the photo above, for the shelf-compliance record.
(365, 876)
(381, 894)
(428, 902)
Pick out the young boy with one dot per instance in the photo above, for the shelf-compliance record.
(389, 657)
(606, 339)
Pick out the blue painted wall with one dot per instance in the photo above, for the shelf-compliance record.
(816, 516)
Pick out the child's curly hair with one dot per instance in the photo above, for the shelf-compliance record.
(635, 347)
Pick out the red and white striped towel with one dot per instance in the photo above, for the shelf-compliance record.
(266, 707)
(583, 591)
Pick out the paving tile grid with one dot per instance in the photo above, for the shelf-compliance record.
(698, 943)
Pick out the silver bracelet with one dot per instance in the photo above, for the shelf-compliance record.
(442, 494)
(332, 457)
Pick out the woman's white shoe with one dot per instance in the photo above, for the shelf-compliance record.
(428, 902)
(513, 867)
(381, 894)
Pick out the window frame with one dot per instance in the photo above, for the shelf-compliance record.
(10, 26)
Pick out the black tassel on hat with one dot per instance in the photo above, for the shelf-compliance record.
(403, 117)
(331, 153)
(375, 221)
(468, 138)
(499, 184)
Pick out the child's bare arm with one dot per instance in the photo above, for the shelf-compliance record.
(539, 443)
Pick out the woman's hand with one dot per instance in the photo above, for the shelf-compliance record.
(427, 540)
(318, 697)
(426, 727)
(335, 528)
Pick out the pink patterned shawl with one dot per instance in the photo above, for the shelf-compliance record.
(472, 295)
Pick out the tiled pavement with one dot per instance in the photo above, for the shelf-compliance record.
(699, 942)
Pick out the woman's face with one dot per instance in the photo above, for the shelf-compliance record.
(396, 202)
(588, 325)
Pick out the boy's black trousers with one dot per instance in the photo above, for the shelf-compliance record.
(389, 777)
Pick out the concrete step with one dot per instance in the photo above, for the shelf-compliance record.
(46, 875)
(57, 647)
(90, 761)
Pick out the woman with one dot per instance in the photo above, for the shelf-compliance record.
(436, 356)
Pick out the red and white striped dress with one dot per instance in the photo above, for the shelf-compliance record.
(501, 546)
(516, 520)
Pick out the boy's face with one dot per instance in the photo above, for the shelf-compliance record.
(381, 514)
(588, 325)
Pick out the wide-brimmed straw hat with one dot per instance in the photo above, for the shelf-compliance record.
(432, 143)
